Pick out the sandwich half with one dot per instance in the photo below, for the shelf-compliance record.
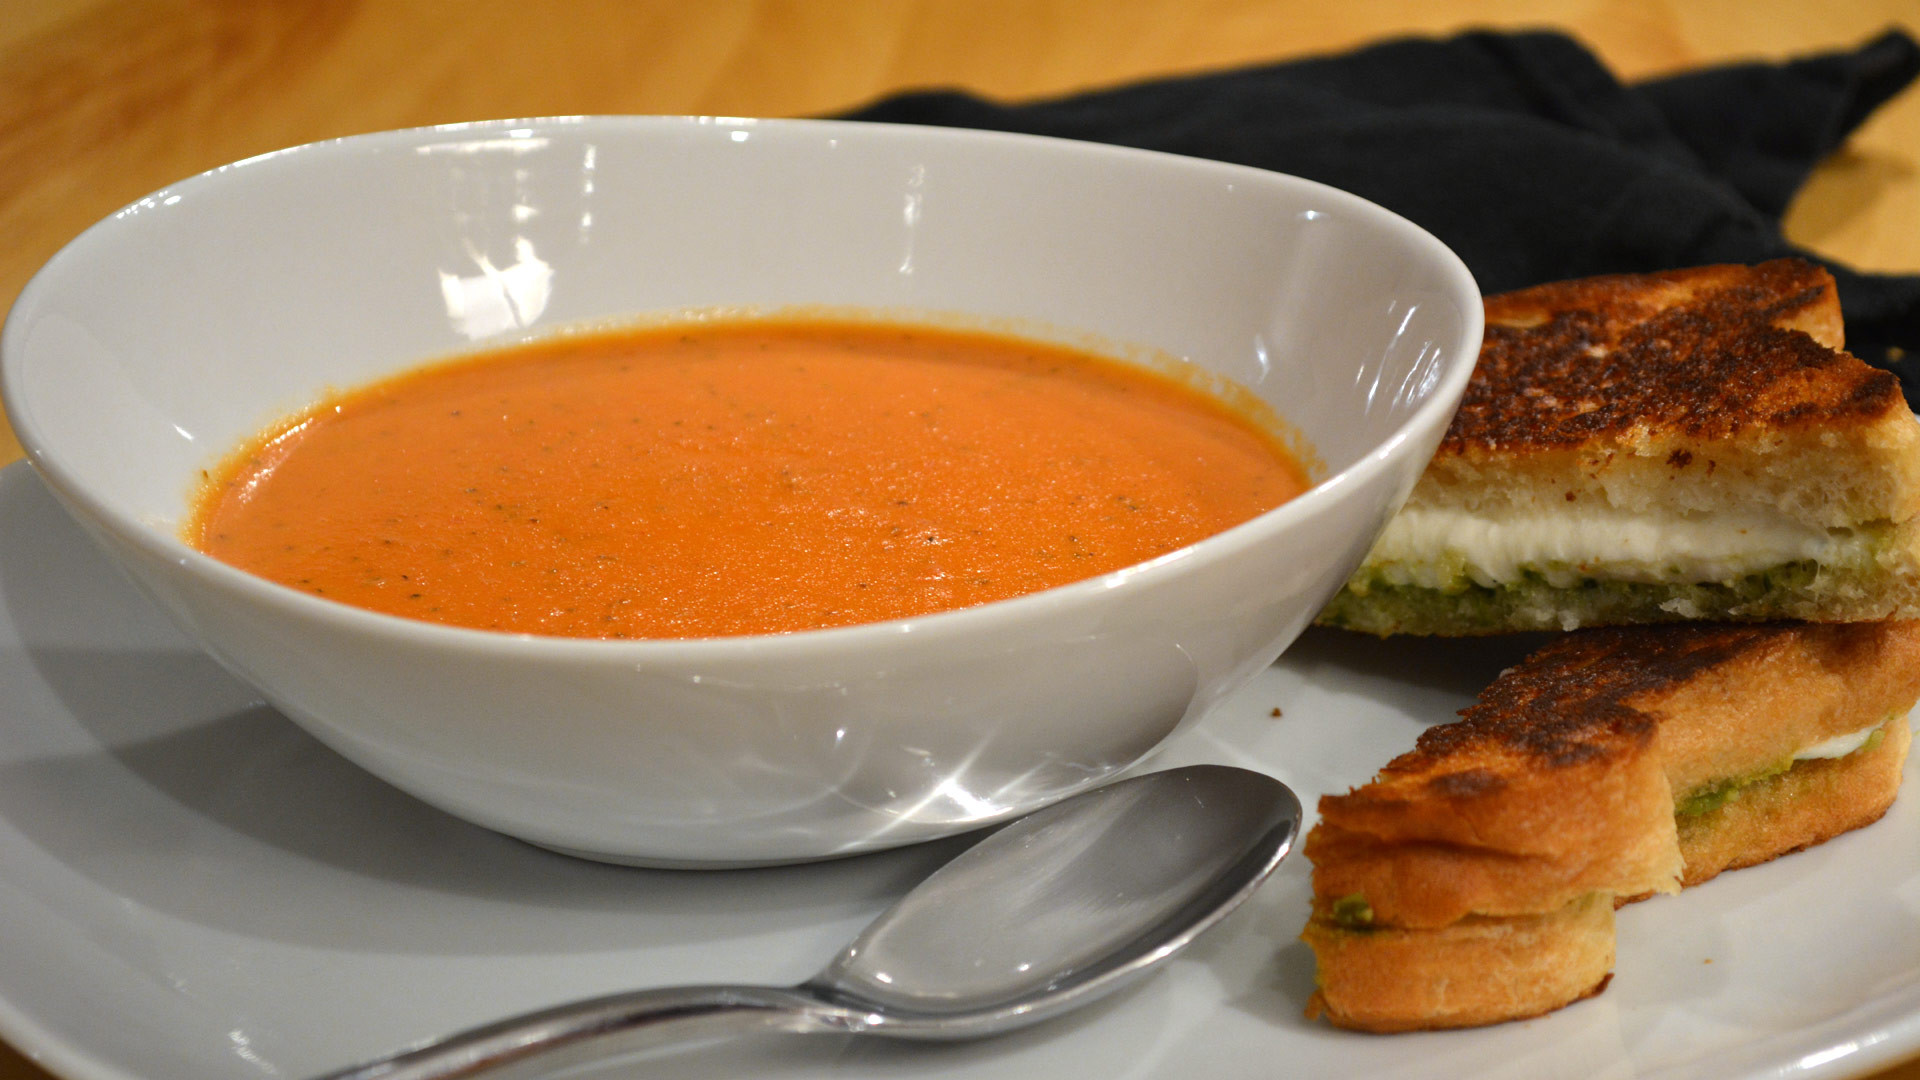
(1474, 879)
(1658, 447)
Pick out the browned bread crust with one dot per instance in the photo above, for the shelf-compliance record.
(1560, 783)
(1729, 699)
(1546, 789)
(1705, 353)
(1697, 389)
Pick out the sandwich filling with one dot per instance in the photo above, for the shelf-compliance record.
(1713, 796)
(1449, 549)
(1445, 570)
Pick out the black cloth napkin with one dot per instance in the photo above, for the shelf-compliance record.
(1523, 153)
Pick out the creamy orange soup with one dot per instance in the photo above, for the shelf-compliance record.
(736, 478)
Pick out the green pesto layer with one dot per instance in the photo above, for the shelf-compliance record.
(1710, 797)
(1352, 913)
(1796, 590)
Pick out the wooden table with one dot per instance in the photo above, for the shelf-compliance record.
(102, 101)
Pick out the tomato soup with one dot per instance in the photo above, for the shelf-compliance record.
(723, 478)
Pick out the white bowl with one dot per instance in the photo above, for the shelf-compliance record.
(189, 320)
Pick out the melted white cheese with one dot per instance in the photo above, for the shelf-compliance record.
(1434, 546)
(1838, 746)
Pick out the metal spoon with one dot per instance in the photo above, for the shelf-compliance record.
(1045, 915)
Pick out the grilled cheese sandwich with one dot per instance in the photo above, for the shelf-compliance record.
(1473, 880)
(1653, 448)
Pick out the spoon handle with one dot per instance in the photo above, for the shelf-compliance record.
(602, 1027)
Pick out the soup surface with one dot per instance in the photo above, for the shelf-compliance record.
(714, 479)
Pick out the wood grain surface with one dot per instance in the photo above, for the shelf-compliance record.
(102, 101)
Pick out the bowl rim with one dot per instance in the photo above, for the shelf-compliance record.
(1435, 410)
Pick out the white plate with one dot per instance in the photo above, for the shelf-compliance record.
(192, 889)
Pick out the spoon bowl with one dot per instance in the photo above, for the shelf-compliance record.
(1045, 915)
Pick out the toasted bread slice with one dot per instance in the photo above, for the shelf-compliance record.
(1658, 447)
(1476, 971)
(1609, 764)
